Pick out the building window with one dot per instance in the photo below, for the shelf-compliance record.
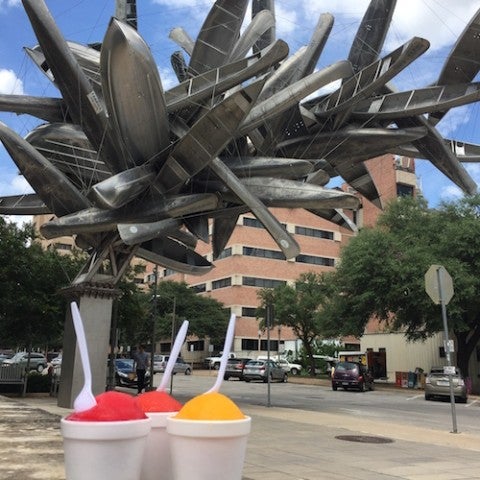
(227, 252)
(328, 262)
(202, 287)
(314, 232)
(222, 283)
(249, 311)
(249, 344)
(196, 346)
(404, 190)
(252, 222)
(262, 282)
(264, 253)
(273, 345)
(165, 347)
(168, 271)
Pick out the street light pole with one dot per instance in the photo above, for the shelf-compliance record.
(154, 318)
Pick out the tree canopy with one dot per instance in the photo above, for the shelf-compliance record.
(301, 307)
(32, 309)
(382, 273)
(207, 317)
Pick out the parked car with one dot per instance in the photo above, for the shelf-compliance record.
(38, 361)
(291, 368)
(352, 375)
(437, 384)
(4, 356)
(262, 370)
(160, 362)
(181, 366)
(126, 375)
(235, 367)
(57, 361)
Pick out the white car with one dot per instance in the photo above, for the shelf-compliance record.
(291, 368)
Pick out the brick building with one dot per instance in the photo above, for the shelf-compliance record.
(252, 260)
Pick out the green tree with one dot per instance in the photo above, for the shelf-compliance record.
(382, 273)
(207, 317)
(300, 307)
(32, 308)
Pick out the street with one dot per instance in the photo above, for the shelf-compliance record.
(405, 406)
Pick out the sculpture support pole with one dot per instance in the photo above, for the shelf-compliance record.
(95, 301)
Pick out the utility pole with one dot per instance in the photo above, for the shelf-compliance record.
(154, 319)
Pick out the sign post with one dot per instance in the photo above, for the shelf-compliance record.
(439, 287)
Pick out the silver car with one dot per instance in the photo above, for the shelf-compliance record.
(437, 384)
(38, 361)
(160, 362)
(263, 370)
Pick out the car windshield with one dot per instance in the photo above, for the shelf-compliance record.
(124, 364)
(18, 356)
(346, 367)
(255, 363)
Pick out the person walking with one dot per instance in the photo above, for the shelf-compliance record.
(141, 365)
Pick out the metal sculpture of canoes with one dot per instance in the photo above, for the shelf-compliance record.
(141, 117)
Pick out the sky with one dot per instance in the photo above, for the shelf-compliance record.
(86, 21)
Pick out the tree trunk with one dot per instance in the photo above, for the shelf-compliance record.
(466, 344)
(309, 351)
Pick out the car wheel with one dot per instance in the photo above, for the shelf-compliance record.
(285, 378)
(188, 371)
(40, 368)
(247, 380)
(294, 371)
(334, 388)
(428, 397)
(216, 366)
(226, 377)
(462, 400)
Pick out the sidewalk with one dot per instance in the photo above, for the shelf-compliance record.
(284, 444)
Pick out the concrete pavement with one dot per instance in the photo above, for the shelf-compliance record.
(284, 444)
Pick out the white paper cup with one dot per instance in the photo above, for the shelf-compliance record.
(157, 464)
(208, 450)
(104, 450)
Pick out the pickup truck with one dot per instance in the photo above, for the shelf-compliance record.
(214, 362)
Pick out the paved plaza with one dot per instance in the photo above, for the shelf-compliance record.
(285, 444)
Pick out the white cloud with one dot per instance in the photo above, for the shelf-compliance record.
(439, 21)
(10, 83)
(453, 120)
(450, 193)
(169, 79)
(14, 184)
(9, 3)
(19, 220)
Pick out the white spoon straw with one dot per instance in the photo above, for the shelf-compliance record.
(226, 353)
(177, 345)
(85, 399)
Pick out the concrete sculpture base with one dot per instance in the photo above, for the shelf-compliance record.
(95, 301)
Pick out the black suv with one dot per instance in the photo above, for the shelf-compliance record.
(234, 368)
(352, 375)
